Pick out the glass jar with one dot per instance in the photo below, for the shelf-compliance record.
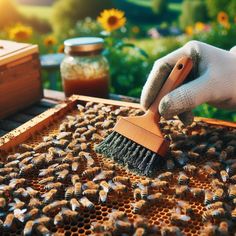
(85, 70)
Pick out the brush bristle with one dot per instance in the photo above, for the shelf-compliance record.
(128, 153)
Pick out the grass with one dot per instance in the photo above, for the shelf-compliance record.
(42, 12)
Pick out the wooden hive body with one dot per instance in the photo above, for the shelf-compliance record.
(20, 82)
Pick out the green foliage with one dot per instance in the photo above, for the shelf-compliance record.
(192, 12)
(159, 6)
(215, 6)
(67, 13)
(8, 13)
(232, 9)
(206, 110)
(219, 36)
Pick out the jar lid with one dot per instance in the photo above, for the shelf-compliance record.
(83, 44)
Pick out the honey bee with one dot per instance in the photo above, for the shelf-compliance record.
(64, 135)
(160, 184)
(214, 205)
(154, 198)
(123, 226)
(18, 204)
(96, 137)
(2, 202)
(105, 186)
(69, 192)
(208, 197)
(208, 229)
(25, 161)
(17, 182)
(218, 213)
(102, 196)
(42, 230)
(57, 204)
(56, 185)
(109, 166)
(211, 173)
(75, 205)
(63, 166)
(190, 169)
(39, 160)
(197, 192)
(31, 214)
(34, 203)
(140, 221)
(97, 227)
(49, 196)
(84, 146)
(170, 230)
(232, 191)
(6, 170)
(233, 214)
(91, 185)
(91, 172)
(84, 201)
(104, 175)
(218, 195)
(118, 188)
(75, 179)
(19, 214)
(183, 179)
(117, 215)
(68, 214)
(41, 147)
(90, 193)
(139, 206)
(24, 155)
(121, 179)
(46, 172)
(224, 176)
(26, 147)
(185, 207)
(46, 180)
(61, 175)
(42, 220)
(58, 219)
(12, 164)
(9, 220)
(78, 189)
(26, 170)
(181, 219)
(28, 228)
(182, 191)
(215, 183)
(75, 166)
(167, 176)
(137, 194)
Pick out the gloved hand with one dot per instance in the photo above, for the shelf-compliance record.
(214, 81)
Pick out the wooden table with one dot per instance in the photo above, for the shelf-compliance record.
(51, 98)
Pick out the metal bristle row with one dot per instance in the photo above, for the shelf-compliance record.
(128, 153)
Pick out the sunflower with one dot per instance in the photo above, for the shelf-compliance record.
(112, 19)
(222, 18)
(20, 33)
(50, 41)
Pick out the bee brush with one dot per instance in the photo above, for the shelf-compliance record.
(137, 142)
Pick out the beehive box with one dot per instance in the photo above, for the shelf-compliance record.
(199, 160)
(20, 82)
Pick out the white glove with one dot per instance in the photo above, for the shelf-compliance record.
(214, 75)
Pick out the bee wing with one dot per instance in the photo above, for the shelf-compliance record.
(100, 176)
(185, 217)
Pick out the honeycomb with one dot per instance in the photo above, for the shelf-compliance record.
(197, 158)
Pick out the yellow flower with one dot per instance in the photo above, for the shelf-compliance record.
(189, 30)
(222, 18)
(60, 49)
(199, 26)
(50, 41)
(20, 33)
(112, 19)
(135, 29)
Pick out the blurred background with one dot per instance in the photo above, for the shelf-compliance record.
(145, 30)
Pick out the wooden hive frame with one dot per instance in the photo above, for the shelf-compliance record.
(38, 123)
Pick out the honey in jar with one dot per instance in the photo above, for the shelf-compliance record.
(84, 70)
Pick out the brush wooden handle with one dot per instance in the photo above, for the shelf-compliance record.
(179, 73)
